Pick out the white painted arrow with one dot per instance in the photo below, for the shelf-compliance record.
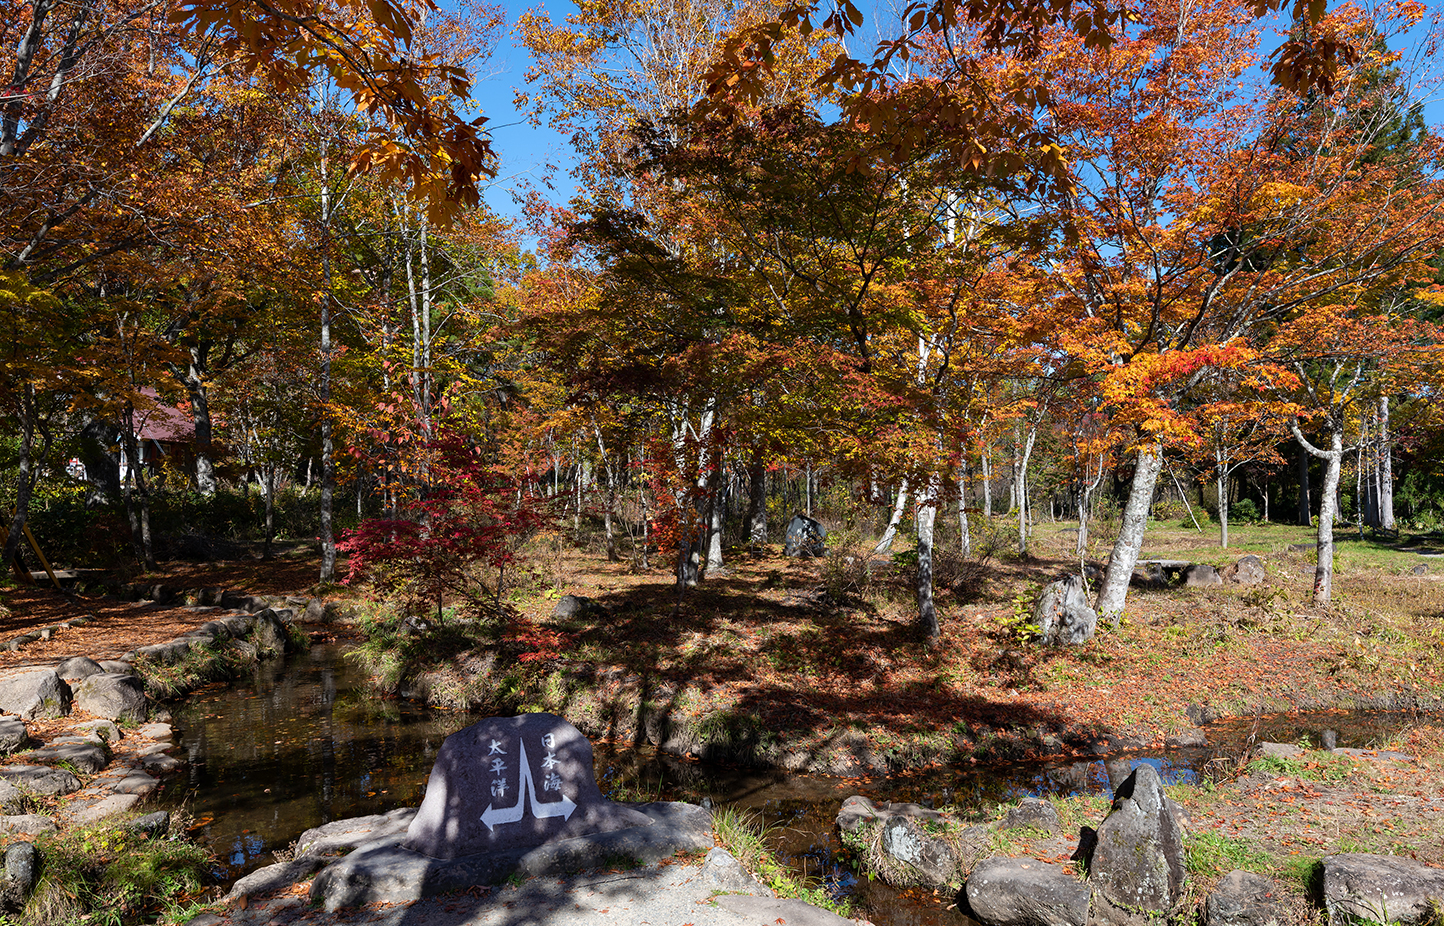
(526, 791)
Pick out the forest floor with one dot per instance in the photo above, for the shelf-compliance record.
(817, 651)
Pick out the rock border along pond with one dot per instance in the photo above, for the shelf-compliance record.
(112, 763)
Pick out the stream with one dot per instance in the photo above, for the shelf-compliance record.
(302, 743)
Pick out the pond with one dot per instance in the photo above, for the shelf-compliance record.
(301, 743)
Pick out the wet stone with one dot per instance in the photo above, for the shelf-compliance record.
(510, 783)
(152, 825)
(160, 763)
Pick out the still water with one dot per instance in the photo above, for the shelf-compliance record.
(301, 744)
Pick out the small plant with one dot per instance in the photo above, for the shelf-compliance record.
(746, 837)
(1314, 766)
(1210, 855)
(1017, 626)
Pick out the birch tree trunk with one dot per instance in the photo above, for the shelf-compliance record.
(1305, 516)
(965, 535)
(884, 545)
(987, 485)
(1114, 590)
(926, 515)
(328, 461)
(1328, 505)
(199, 394)
(1386, 469)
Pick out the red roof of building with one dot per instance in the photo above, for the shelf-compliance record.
(156, 420)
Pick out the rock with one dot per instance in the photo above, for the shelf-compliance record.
(569, 607)
(1118, 769)
(766, 910)
(12, 799)
(35, 694)
(1419, 570)
(84, 757)
(12, 734)
(152, 825)
(1137, 865)
(1328, 739)
(1243, 898)
(160, 732)
(805, 537)
(1034, 813)
(930, 860)
(105, 730)
(40, 779)
(114, 697)
(722, 872)
(275, 878)
(116, 667)
(1150, 576)
(1063, 615)
(341, 836)
(314, 612)
(1247, 570)
(858, 810)
(1201, 575)
(383, 871)
(78, 667)
(269, 633)
(154, 749)
(28, 824)
(1025, 892)
(107, 806)
(1280, 750)
(1191, 738)
(22, 866)
(1303, 547)
(1380, 888)
(160, 763)
(513, 783)
(136, 782)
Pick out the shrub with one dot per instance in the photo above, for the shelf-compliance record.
(1245, 509)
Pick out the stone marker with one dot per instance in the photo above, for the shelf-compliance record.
(1137, 866)
(513, 782)
(805, 537)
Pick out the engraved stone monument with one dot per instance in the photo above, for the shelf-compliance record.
(513, 782)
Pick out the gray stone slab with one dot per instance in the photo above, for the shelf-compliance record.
(160, 732)
(114, 697)
(12, 799)
(722, 872)
(86, 757)
(1379, 888)
(78, 667)
(160, 763)
(104, 729)
(507, 783)
(12, 734)
(117, 667)
(28, 824)
(771, 910)
(107, 806)
(275, 878)
(387, 872)
(155, 749)
(40, 779)
(340, 836)
(137, 783)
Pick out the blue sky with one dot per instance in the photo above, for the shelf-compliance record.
(527, 150)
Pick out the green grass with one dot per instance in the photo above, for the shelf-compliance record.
(1311, 766)
(107, 874)
(746, 837)
(1210, 855)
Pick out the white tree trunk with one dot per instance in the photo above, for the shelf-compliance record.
(885, 544)
(987, 486)
(926, 514)
(1386, 469)
(1114, 590)
(965, 536)
(1328, 506)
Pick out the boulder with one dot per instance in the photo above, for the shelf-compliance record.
(40, 779)
(1063, 615)
(574, 606)
(1033, 813)
(82, 756)
(1149, 576)
(116, 666)
(1201, 575)
(1243, 898)
(104, 730)
(1280, 750)
(1025, 892)
(723, 873)
(1189, 738)
(78, 667)
(40, 693)
(805, 537)
(12, 799)
(269, 633)
(112, 696)
(507, 783)
(22, 866)
(928, 860)
(1136, 866)
(341, 836)
(28, 824)
(1380, 888)
(12, 734)
(1248, 570)
(152, 825)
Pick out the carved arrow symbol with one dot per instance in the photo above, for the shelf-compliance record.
(526, 792)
